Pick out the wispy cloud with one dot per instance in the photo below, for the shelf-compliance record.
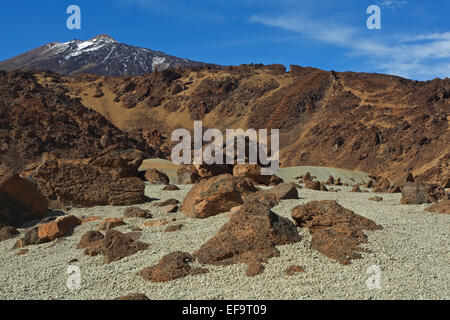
(422, 56)
(393, 4)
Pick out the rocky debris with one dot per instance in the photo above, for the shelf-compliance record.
(7, 233)
(155, 223)
(250, 237)
(42, 117)
(48, 231)
(107, 179)
(168, 202)
(22, 252)
(266, 197)
(378, 199)
(170, 187)
(307, 177)
(315, 185)
(133, 296)
(115, 246)
(253, 172)
(330, 181)
(187, 174)
(88, 238)
(356, 189)
(440, 207)
(336, 231)
(418, 193)
(211, 170)
(89, 219)
(215, 195)
(290, 271)
(396, 188)
(172, 266)
(110, 223)
(369, 184)
(58, 228)
(135, 212)
(173, 228)
(172, 208)
(284, 191)
(156, 177)
(382, 185)
(20, 200)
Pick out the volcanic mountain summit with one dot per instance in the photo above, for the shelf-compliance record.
(100, 55)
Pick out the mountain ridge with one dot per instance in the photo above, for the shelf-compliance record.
(100, 55)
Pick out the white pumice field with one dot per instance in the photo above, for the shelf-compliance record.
(412, 252)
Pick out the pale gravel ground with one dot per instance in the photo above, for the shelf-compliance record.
(412, 251)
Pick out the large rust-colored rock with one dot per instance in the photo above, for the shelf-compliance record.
(156, 177)
(115, 246)
(215, 195)
(60, 227)
(110, 223)
(172, 266)
(336, 231)
(187, 174)
(20, 200)
(250, 237)
(135, 212)
(418, 193)
(88, 238)
(313, 185)
(285, 191)
(253, 171)
(104, 180)
(440, 207)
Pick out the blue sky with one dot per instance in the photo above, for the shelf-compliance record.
(414, 40)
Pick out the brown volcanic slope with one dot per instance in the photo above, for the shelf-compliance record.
(381, 124)
(36, 119)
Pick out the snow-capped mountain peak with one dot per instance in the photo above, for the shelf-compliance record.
(99, 55)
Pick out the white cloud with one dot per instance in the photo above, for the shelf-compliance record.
(393, 4)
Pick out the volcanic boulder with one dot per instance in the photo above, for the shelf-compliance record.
(336, 231)
(172, 266)
(441, 207)
(135, 212)
(90, 182)
(58, 228)
(156, 177)
(418, 193)
(215, 195)
(187, 174)
(115, 246)
(250, 237)
(20, 201)
(8, 233)
(88, 238)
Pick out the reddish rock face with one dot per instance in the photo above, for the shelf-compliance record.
(187, 174)
(215, 195)
(313, 185)
(88, 238)
(105, 180)
(253, 172)
(115, 246)
(293, 270)
(156, 177)
(110, 223)
(336, 231)
(172, 266)
(58, 228)
(250, 237)
(416, 193)
(20, 201)
(135, 212)
(441, 207)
